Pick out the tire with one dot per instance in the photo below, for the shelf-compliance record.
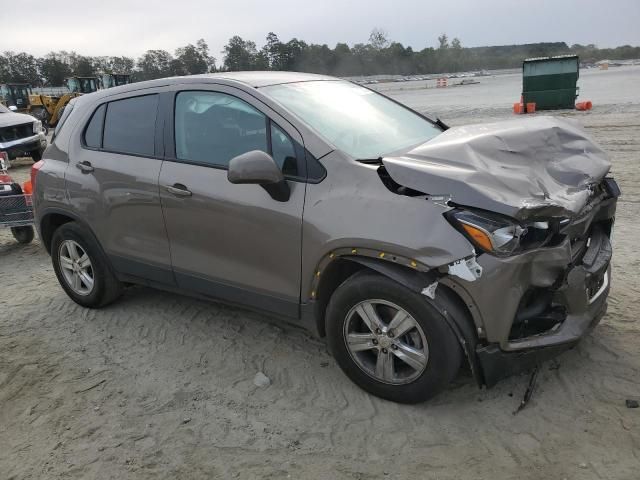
(439, 361)
(23, 235)
(105, 287)
(36, 155)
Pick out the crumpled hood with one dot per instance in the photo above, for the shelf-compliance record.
(524, 168)
(10, 118)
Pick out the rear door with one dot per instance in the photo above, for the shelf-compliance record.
(232, 242)
(112, 183)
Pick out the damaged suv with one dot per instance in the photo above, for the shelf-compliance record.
(410, 246)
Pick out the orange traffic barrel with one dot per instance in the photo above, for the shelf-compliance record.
(584, 105)
(27, 188)
(531, 107)
(518, 108)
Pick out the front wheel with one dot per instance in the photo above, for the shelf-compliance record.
(389, 340)
(23, 235)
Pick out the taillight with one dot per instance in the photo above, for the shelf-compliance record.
(34, 171)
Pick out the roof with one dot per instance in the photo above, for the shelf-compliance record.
(249, 79)
(264, 78)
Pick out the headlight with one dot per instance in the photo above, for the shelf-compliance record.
(37, 126)
(491, 233)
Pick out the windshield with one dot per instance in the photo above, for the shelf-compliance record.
(73, 84)
(88, 85)
(4, 109)
(108, 81)
(356, 120)
(122, 79)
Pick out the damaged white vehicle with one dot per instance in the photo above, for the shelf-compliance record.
(410, 246)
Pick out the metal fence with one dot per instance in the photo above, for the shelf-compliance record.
(16, 211)
(54, 91)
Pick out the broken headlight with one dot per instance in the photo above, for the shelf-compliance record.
(491, 233)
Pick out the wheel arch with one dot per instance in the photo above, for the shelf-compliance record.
(54, 218)
(451, 306)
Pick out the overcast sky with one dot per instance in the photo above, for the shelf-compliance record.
(128, 27)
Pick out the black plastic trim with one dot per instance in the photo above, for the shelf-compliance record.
(237, 295)
(127, 266)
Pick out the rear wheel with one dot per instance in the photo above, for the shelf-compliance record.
(23, 234)
(82, 268)
(389, 340)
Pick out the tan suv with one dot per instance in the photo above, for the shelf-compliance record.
(410, 246)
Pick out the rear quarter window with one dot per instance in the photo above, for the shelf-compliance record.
(93, 132)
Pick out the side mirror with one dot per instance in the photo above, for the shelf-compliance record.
(258, 167)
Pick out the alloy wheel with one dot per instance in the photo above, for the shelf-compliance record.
(386, 342)
(76, 267)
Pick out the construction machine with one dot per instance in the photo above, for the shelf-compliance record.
(109, 80)
(48, 108)
(82, 85)
(15, 96)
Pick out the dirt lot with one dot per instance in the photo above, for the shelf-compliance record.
(160, 386)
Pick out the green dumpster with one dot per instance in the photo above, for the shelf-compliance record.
(551, 82)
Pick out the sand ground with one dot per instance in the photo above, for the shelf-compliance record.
(159, 386)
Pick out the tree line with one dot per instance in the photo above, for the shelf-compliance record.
(383, 56)
(378, 56)
(53, 68)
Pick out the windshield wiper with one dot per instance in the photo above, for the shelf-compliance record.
(370, 161)
(441, 124)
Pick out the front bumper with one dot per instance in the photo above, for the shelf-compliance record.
(24, 146)
(532, 306)
(497, 363)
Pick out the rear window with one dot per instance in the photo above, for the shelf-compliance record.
(129, 125)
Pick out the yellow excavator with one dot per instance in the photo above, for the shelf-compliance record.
(49, 108)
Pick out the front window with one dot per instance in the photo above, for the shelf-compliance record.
(356, 120)
(211, 128)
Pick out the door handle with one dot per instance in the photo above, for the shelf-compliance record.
(179, 190)
(85, 167)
